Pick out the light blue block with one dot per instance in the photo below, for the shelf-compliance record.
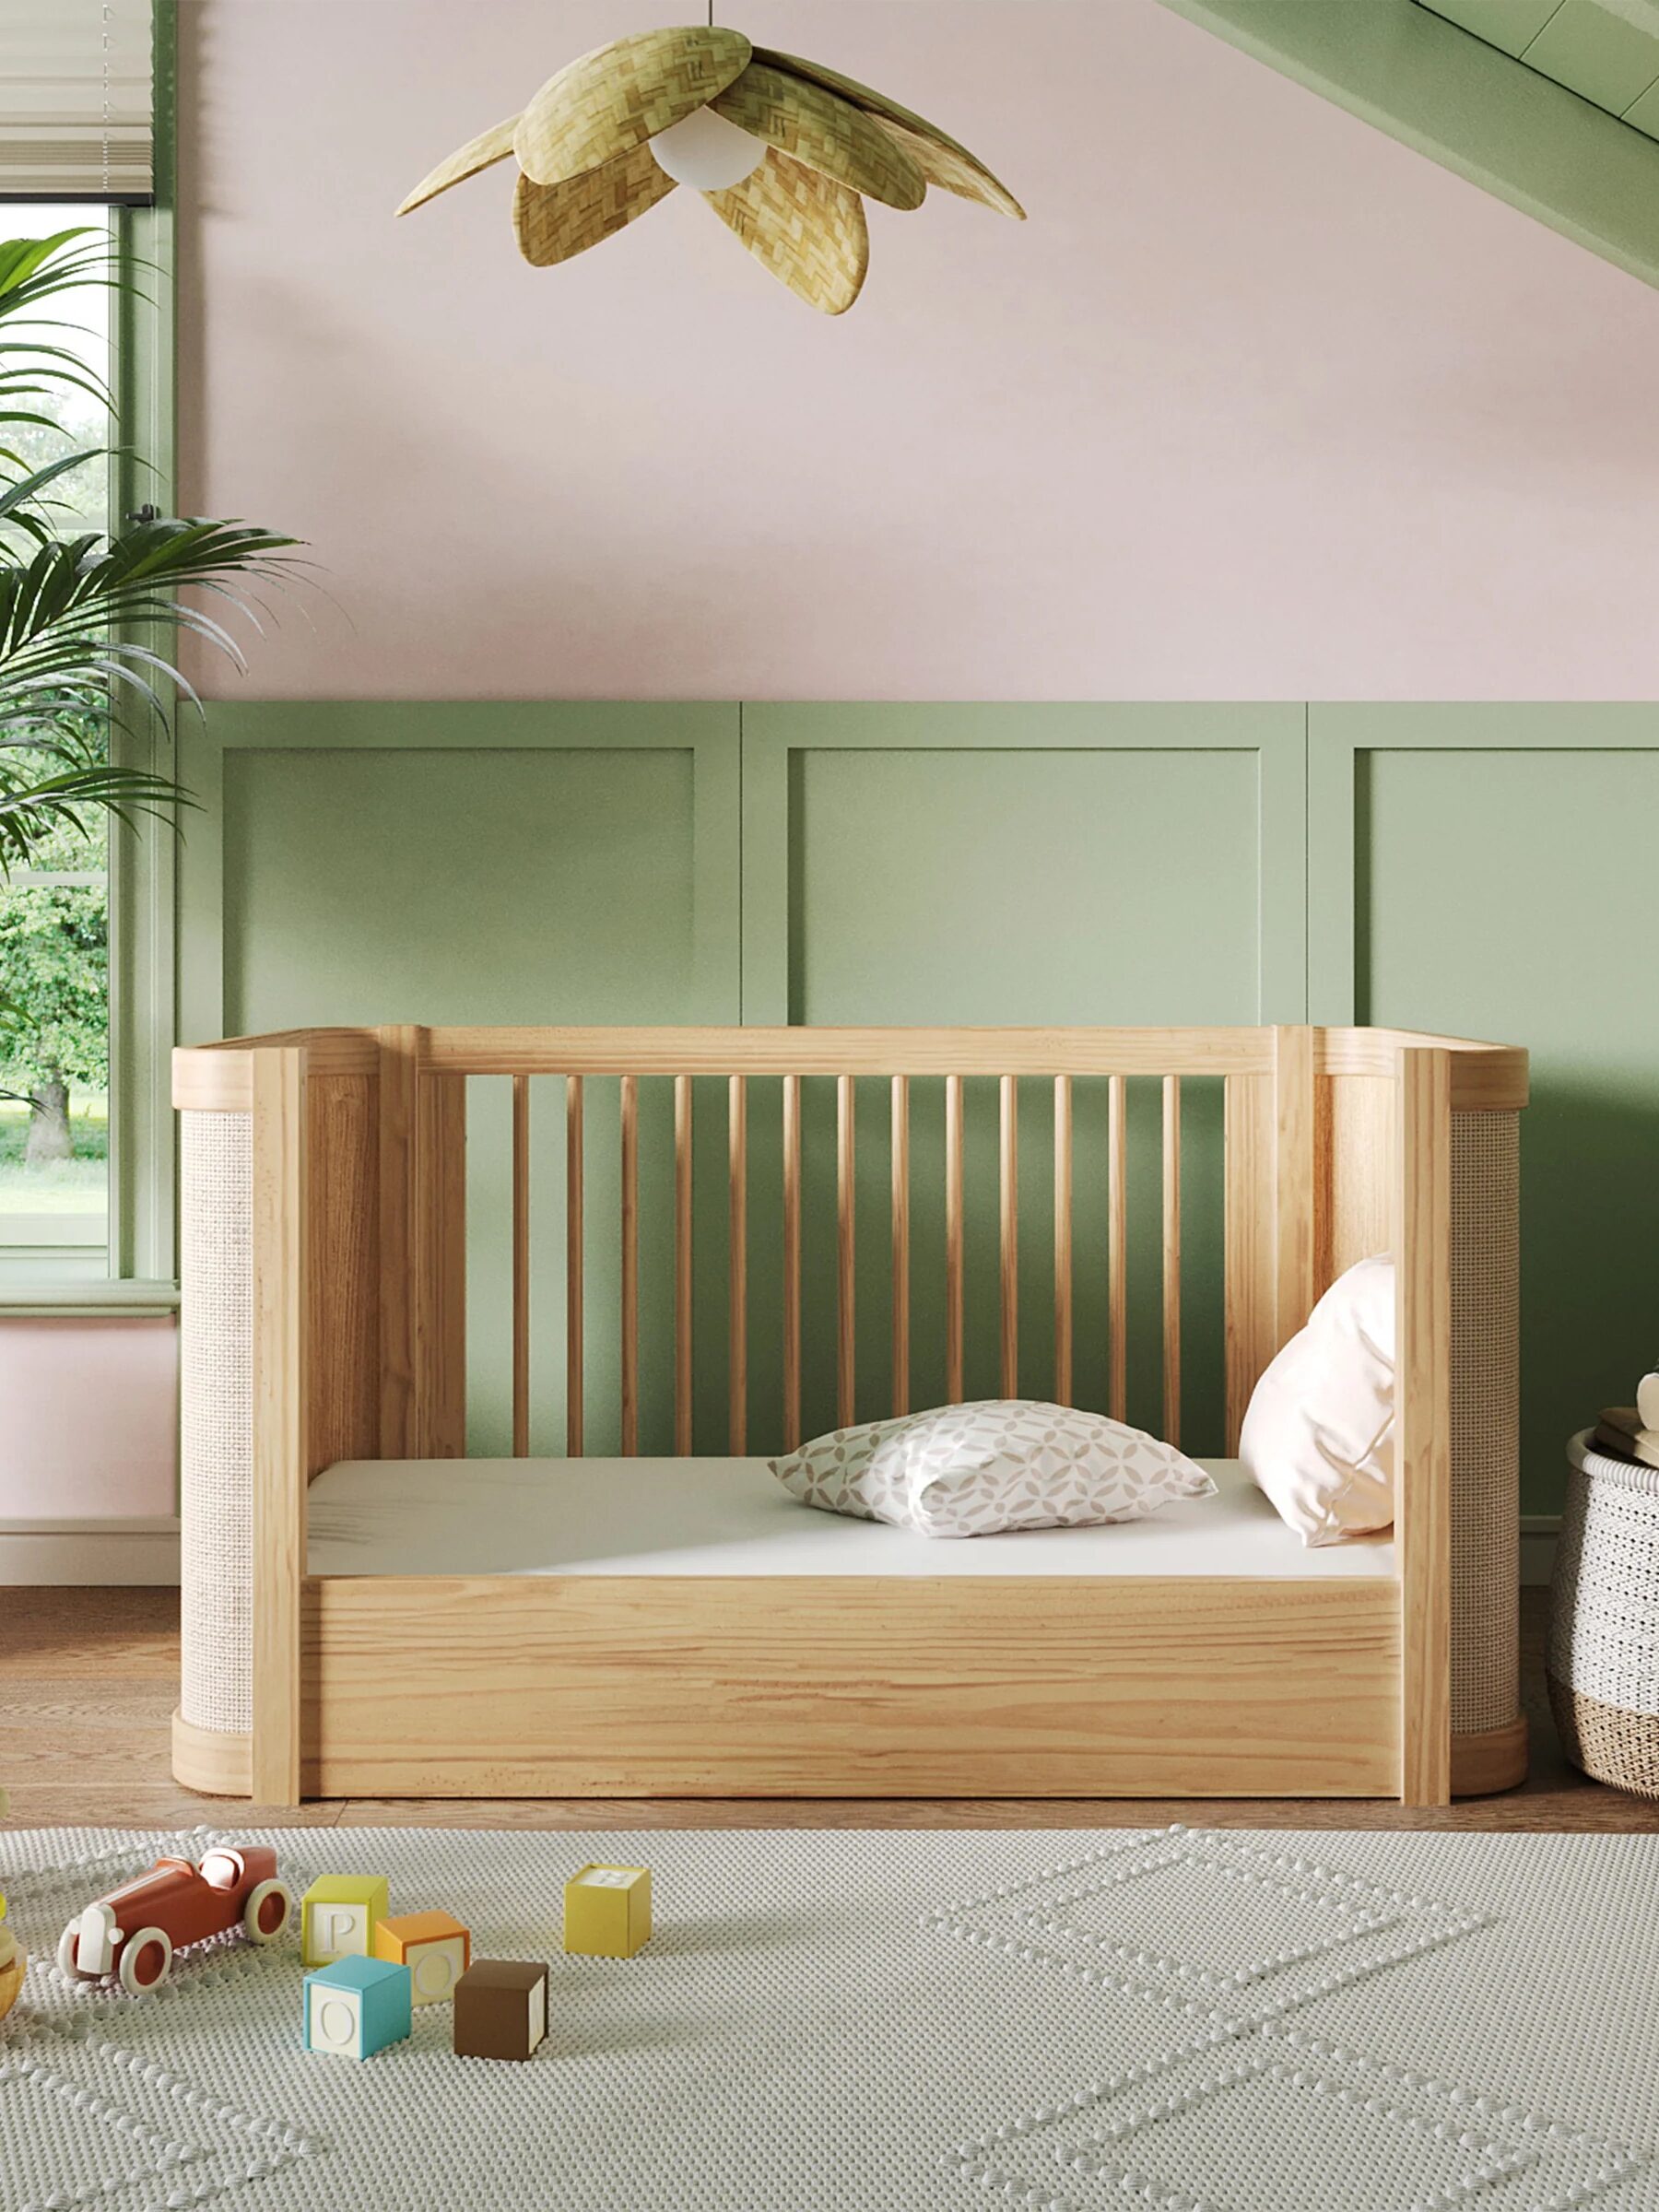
(356, 2007)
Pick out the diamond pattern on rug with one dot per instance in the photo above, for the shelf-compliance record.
(1225, 1938)
(1282, 2119)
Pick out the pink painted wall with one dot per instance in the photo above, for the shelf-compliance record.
(1257, 403)
(90, 1419)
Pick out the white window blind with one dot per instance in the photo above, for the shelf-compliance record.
(76, 99)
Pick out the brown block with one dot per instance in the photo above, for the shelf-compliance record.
(501, 2009)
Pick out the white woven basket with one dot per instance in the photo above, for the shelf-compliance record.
(1603, 1665)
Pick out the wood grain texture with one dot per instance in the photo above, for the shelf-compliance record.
(87, 1683)
(1353, 1172)
(278, 1226)
(898, 1169)
(1117, 1247)
(955, 1241)
(215, 1762)
(441, 1298)
(1008, 1230)
(341, 1199)
(629, 1097)
(1493, 1760)
(737, 1265)
(521, 1266)
(810, 1687)
(1172, 1260)
(826, 1050)
(683, 1337)
(846, 1252)
(1251, 1294)
(791, 1263)
(210, 1081)
(1062, 1240)
(1423, 1422)
(1293, 1183)
(575, 1235)
(401, 1054)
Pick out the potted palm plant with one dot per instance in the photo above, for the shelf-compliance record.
(90, 619)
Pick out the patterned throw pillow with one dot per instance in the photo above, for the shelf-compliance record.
(999, 1464)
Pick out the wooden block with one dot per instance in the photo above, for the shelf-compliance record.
(338, 1915)
(501, 2009)
(356, 2007)
(434, 1947)
(608, 1911)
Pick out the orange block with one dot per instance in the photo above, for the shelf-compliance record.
(434, 1947)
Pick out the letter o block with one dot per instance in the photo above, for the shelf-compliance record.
(434, 1947)
(356, 2007)
(338, 1914)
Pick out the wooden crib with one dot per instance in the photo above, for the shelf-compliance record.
(324, 1185)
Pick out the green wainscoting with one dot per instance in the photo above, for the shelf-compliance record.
(1445, 867)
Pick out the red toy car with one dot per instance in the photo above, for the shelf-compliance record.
(134, 1932)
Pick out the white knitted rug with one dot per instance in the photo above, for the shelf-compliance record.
(910, 2022)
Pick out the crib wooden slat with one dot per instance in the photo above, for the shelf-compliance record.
(1008, 1107)
(900, 1181)
(631, 1265)
(954, 1249)
(574, 1239)
(1171, 1259)
(845, 1212)
(737, 1265)
(1117, 1238)
(682, 1266)
(1062, 1240)
(521, 1266)
(792, 1262)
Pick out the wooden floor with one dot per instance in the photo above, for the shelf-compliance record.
(88, 1682)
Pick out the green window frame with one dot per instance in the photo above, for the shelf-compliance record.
(137, 1270)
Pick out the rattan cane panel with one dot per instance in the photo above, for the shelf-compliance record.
(1485, 1528)
(216, 1358)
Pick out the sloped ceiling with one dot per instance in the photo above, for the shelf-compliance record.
(1549, 104)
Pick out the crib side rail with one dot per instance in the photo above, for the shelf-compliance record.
(1422, 1246)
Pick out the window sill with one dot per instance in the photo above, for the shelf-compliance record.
(86, 1300)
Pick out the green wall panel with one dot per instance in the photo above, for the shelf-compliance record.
(1004, 863)
(1470, 875)
(510, 863)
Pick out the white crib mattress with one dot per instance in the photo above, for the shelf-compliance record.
(731, 1517)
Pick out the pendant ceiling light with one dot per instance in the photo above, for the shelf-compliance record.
(785, 153)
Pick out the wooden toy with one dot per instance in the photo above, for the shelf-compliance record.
(133, 1931)
(14, 1964)
(608, 1911)
(501, 2009)
(434, 1947)
(355, 2006)
(338, 1914)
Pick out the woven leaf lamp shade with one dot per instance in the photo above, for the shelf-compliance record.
(614, 132)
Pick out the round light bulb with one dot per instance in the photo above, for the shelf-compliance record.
(707, 152)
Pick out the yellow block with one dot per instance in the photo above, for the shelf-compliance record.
(338, 1915)
(434, 1947)
(608, 1911)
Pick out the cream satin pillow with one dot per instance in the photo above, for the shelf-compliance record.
(1319, 1436)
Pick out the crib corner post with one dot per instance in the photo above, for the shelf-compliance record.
(280, 1469)
(1422, 1245)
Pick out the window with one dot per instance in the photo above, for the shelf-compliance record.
(54, 916)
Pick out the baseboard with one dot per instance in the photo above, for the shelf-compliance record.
(1539, 1534)
(73, 1554)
